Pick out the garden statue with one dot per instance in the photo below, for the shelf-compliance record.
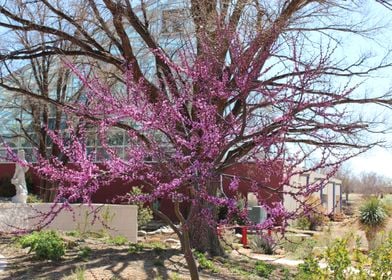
(19, 180)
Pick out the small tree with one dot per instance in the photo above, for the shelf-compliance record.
(372, 219)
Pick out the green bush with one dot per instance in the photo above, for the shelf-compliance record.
(338, 259)
(117, 240)
(344, 262)
(382, 260)
(205, 263)
(31, 198)
(309, 270)
(263, 269)
(84, 253)
(156, 246)
(45, 244)
(144, 214)
(302, 223)
(135, 248)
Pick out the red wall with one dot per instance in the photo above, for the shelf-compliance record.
(247, 170)
(108, 194)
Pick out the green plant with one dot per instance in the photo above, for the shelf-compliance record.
(263, 269)
(372, 219)
(174, 276)
(144, 214)
(381, 258)
(286, 273)
(73, 233)
(309, 270)
(84, 253)
(205, 263)
(31, 198)
(45, 244)
(135, 248)
(117, 240)
(263, 244)
(157, 247)
(79, 272)
(302, 223)
(338, 259)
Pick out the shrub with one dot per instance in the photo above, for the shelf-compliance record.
(382, 260)
(45, 244)
(117, 240)
(309, 270)
(372, 219)
(156, 246)
(302, 223)
(31, 198)
(338, 259)
(135, 248)
(84, 253)
(79, 273)
(263, 269)
(263, 244)
(144, 214)
(204, 263)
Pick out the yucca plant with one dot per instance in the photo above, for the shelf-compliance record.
(372, 219)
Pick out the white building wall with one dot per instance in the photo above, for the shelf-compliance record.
(330, 195)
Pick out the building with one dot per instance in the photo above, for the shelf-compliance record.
(329, 193)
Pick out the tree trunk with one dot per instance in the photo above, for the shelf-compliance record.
(371, 235)
(190, 259)
(203, 236)
(183, 235)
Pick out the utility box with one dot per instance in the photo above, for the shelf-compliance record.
(257, 214)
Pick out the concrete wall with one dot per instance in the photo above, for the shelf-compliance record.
(120, 219)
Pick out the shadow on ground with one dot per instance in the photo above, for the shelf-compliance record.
(105, 263)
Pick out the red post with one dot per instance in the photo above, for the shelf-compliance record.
(219, 231)
(244, 239)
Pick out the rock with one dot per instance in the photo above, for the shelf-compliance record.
(167, 229)
(171, 241)
(141, 233)
(158, 231)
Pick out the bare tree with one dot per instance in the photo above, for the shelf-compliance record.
(29, 86)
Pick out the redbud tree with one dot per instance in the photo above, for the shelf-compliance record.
(249, 83)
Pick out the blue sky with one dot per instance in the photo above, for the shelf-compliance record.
(378, 159)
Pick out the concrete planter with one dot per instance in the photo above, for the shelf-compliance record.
(119, 219)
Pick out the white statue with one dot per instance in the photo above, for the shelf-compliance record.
(19, 180)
